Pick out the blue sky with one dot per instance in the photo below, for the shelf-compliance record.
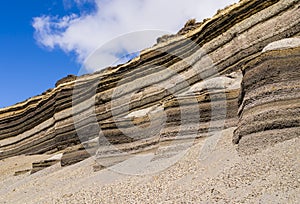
(27, 69)
(45, 40)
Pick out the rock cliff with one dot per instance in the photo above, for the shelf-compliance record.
(270, 103)
(198, 70)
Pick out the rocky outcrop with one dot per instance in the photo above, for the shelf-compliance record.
(201, 65)
(270, 100)
(18, 173)
(79, 152)
(38, 166)
(66, 79)
(189, 26)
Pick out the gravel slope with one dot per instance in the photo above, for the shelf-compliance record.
(270, 176)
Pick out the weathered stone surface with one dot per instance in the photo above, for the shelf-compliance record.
(270, 101)
(38, 166)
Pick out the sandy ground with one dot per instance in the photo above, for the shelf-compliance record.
(271, 176)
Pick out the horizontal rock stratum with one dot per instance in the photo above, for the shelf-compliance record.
(270, 99)
(198, 70)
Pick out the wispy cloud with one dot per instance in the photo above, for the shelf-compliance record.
(49, 31)
(84, 32)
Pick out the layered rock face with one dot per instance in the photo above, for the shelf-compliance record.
(270, 100)
(195, 71)
(161, 126)
(38, 125)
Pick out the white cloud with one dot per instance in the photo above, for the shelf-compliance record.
(84, 33)
(50, 31)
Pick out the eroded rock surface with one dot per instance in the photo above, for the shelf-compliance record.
(203, 55)
(270, 101)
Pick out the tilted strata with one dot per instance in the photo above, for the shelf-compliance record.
(270, 101)
(75, 111)
(177, 121)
